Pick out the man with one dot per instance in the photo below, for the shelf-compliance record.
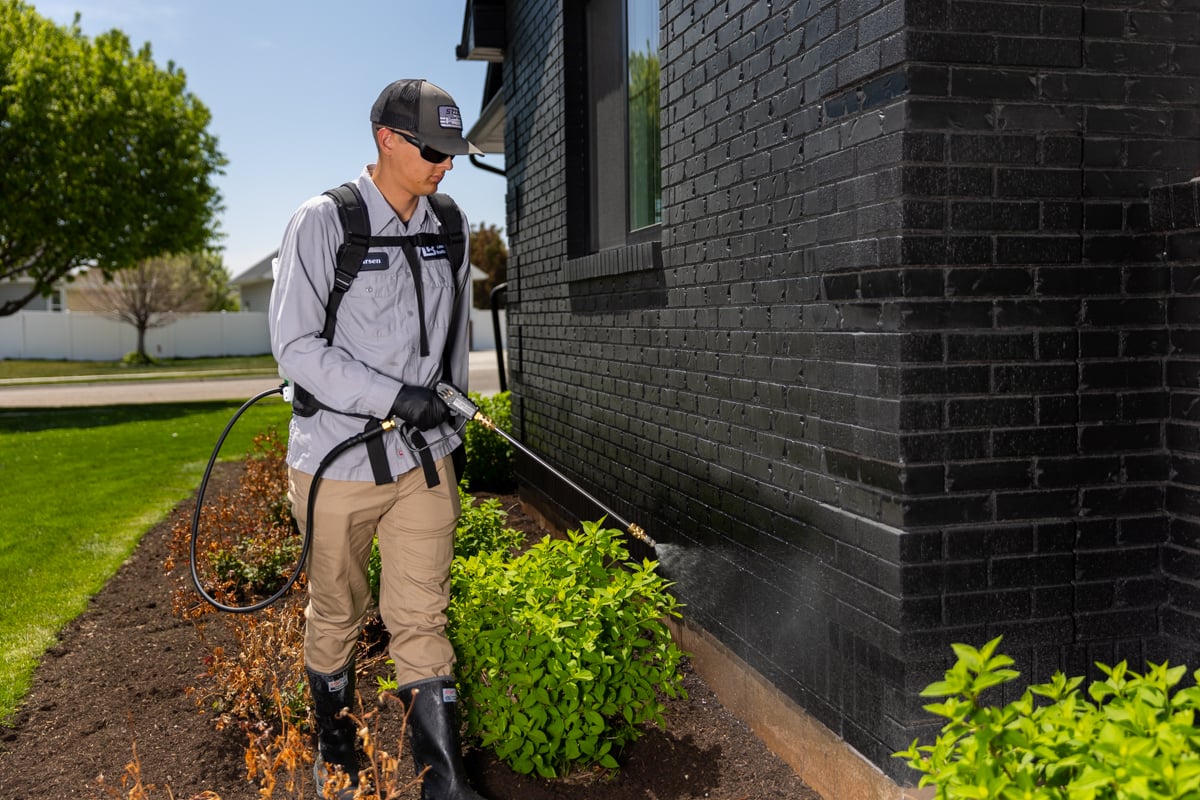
(400, 328)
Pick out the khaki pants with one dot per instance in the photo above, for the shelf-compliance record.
(415, 525)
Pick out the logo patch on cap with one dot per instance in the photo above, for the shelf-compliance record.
(449, 117)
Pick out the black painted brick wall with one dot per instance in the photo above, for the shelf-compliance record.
(911, 369)
(1175, 210)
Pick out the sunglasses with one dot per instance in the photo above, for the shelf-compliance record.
(427, 153)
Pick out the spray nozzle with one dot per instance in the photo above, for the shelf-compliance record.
(638, 532)
(458, 402)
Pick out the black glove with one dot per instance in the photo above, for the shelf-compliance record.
(420, 407)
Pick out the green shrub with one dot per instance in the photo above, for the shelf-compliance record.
(490, 462)
(1135, 739)
(562, 650)
(135, 359)
(481, 528)
(255, 568)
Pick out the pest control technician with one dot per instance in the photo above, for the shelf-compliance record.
(362, 342)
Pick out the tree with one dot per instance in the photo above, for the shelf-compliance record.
(490, 254)
(155, 291)
(213, 279)
(107, 158)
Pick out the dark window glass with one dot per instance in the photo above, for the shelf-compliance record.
(644, 175)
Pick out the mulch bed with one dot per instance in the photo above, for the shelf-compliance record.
(115, 684)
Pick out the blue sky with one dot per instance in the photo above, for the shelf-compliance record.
(290, 87)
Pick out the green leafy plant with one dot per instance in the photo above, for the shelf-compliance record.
(481, 528)
(562, 650)
(254, 568)
(490, 461)
(1134, 740)
(135, 359)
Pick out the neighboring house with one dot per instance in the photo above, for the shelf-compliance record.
(80, 295)
(254, 287)
(16, 289)
(865, 310)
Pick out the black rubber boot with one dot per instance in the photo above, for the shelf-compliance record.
(433, 722)
(337, 736)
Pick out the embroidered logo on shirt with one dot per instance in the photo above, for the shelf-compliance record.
(374, 261)
(433, 251)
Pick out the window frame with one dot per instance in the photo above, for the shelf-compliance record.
(599, 75)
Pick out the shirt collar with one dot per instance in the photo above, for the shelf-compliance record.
(381, 213)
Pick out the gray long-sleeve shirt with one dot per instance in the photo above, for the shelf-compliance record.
(376, 344)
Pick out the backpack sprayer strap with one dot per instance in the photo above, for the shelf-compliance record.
(416, 441)
(376, 454)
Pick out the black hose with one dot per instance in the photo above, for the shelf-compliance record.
(312, 498)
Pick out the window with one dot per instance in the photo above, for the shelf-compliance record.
(614, 178)
(644, 175)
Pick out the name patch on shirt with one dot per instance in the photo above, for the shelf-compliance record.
(434, 251)
(374, 261)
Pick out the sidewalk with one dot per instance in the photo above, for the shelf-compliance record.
(179, 387)
(199, 374)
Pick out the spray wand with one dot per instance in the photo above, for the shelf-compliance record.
(460, 404)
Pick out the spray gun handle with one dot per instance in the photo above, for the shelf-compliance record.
(456, 400)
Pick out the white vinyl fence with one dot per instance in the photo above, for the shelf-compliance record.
(84, 336)
(80, 336)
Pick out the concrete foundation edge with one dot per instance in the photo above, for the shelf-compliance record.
(821, 759)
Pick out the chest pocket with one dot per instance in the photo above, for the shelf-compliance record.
(371, 308)
(437, 272)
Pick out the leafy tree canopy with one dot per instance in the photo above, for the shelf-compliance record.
(107, 158)
(490, 254)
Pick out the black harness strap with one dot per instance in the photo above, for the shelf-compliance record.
(380, 470)
(416, 440)
(410, 255)
(350, 255)
(456, 249)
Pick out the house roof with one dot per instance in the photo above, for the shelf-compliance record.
(488, 132)
(258, 273)
(484, 39)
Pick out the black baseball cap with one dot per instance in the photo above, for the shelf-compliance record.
(426, 111)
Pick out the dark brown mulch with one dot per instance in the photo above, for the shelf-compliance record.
(116, 682)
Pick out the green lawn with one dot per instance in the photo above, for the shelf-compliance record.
(26, 369)
(78, 488)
